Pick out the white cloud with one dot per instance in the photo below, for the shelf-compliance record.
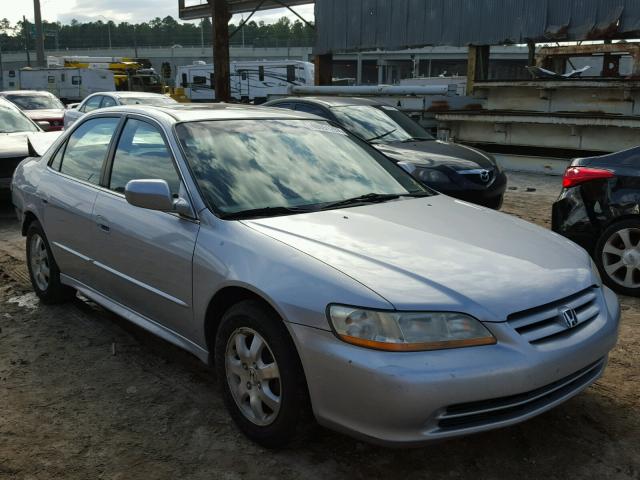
(120, 10)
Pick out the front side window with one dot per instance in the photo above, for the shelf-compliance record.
(142, 154)
(36, 102)
(87, 148)
(379, 125)
(243, 165)
(92, 104)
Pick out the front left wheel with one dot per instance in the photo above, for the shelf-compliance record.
(260, 374)
(43, 270)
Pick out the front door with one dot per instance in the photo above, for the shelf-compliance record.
(144, 256)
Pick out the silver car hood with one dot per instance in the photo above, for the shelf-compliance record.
(440, 253)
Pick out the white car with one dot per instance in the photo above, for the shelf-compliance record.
(112, 99)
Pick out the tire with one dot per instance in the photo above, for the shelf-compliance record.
(43, 270)
(617, 255)
(495, 203)
(244, 378)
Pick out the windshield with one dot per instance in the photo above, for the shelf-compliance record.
(13, 121)
(244, 165)
(154, 101)
(36, 102)
(379, 124)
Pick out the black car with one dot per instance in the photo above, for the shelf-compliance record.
(462, 172)
(599, 209)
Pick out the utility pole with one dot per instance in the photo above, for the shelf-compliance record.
(25, 28)
(135, 41)
(221, 67)
(39, 33)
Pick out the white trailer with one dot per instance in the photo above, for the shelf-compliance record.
(68, 84)
(250, 81)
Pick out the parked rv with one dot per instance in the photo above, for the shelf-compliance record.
(250, 81)
(68, 84)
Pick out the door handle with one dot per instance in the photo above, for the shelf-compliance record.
(103, 224)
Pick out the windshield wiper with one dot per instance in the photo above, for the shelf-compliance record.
(416, 139)
(367, 198)
(265, 212)
(381, 136)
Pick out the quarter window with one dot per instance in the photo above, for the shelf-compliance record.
(142, 154)
(87, 148)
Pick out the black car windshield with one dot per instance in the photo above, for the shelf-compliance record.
(158, 101)
(379, 124)
(36, 102)
(245, 165)
(12, 121)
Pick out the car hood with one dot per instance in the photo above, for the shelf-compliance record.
(440, 253)
(435, 152)
(17, 144)
(44, 114)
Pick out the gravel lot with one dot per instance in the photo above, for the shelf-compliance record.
(70, 408)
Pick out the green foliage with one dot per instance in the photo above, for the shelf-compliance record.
(157, 32)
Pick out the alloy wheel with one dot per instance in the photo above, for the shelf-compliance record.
(621, 257)
(253, 376)
(39, 260)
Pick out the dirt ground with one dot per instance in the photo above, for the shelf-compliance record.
(70, 408)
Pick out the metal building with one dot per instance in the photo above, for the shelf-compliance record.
(344, 25)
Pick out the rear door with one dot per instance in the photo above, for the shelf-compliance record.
(145, 256)
(72, 185)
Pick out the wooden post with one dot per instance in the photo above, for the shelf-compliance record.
(324, 69)
(221, 67)
(477, 65)
(532, 53)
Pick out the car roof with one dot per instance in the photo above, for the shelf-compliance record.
(332, 101)
(187, 112)
(135, 94)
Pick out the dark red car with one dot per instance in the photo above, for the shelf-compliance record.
(42, 107)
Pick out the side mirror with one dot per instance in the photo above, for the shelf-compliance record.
(155, 195)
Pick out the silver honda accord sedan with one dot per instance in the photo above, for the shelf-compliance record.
(313, 273)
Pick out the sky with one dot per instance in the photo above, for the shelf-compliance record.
(131, 11)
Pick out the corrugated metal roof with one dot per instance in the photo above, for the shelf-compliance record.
(344, 25)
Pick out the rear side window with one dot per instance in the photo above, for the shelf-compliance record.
(108, 102)
(87, 148)
(142, 154)
(291, 73)
(92, 104)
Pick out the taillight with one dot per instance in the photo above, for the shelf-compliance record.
(576, 175)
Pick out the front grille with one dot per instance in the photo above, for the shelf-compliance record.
(487, 412)
(544, 323)
(8, 166)
(479, 176)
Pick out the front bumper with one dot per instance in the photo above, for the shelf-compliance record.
(486, 195)
(416, 397)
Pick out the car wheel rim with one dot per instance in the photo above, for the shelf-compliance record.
(621, 257)
(40, 268)
(253, 376)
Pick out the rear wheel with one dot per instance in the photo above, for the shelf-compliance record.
(618, 257)
(43, 270)
(260, 374)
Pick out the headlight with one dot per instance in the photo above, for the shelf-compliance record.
(407, 331)
(430, 175)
